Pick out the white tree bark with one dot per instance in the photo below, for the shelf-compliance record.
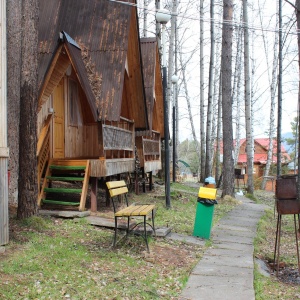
(248, 108)
(208, 160)
(273, 85)
(202, 86)
(171, 53)
(184, 81)
(237, 89)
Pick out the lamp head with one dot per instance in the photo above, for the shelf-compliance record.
(163, 16)
(174, 79)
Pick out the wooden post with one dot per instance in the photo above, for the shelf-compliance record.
(94, 191)
(4, 153)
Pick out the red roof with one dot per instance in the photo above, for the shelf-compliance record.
(261, 158)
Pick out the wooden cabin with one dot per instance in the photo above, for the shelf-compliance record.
(148, 142)
(91, 92)
(261, 147)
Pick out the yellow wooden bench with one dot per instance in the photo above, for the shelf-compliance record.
(119, 188)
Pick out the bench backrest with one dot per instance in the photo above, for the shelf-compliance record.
(117, 188)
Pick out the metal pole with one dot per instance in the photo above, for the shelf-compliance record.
(166, 123)
(279, 113)
(4, 151)
(174, 144)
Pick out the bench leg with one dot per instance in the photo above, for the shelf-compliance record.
(128, 223)
(115, 235)
(153, 222)
(145, 233)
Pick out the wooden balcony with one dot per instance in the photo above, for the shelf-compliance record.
(116, 144)
(149, 150)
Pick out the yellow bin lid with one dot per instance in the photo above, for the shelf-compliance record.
(208, 193)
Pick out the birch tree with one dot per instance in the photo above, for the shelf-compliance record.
(184, 81)
(219, 134)
(171, 52)
(208, 160)
(202, 119)
(273, 84)
(236, 88)
(297, 8)
(226, 67)
(248, 108)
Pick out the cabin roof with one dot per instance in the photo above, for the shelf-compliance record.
(101, 30)
(152, 83)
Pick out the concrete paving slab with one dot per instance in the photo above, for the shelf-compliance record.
(237, 233)
(233, 228)
(200, 288)
(234, 246)
(227, 237)
(162, 231)
(242, 261)
(186, 239)
(209, 269)
(220, 252)
(239, 222)
(64, 213)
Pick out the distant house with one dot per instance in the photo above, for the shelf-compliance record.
(91, 90)
(261, 146)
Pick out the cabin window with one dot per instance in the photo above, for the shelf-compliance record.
(75, 118)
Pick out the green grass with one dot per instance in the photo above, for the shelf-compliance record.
(50, 258)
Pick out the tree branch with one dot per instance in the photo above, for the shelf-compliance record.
(291, 4)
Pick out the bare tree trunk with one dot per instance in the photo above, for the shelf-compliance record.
(145, 18)
(13, 93)
(238, 116)
(157, 27)
(202, 119)
(208, 161)
(248, 108)
(273, 85)
(188, 103)
(28, 115)
(297, 8)
(226, 67)
(171, 54)
(176, 98)
(219, 132)
(236, 89)
(279, 103)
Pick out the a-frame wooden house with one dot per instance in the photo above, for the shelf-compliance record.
(91, 94)
(148, 142)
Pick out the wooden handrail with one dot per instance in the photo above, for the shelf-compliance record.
(43, 134)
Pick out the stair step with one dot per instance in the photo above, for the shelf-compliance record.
(48, 201)
(58, 178)
(55, 167)
(62, 190)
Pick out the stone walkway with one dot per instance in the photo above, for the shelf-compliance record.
(226, 268)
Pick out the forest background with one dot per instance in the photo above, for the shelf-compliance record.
(263, 46)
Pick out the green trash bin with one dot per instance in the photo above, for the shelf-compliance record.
(205, 212)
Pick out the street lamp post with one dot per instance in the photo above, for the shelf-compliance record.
(162, 17)
(174, 82)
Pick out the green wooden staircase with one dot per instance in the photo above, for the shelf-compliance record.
(59, 181)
